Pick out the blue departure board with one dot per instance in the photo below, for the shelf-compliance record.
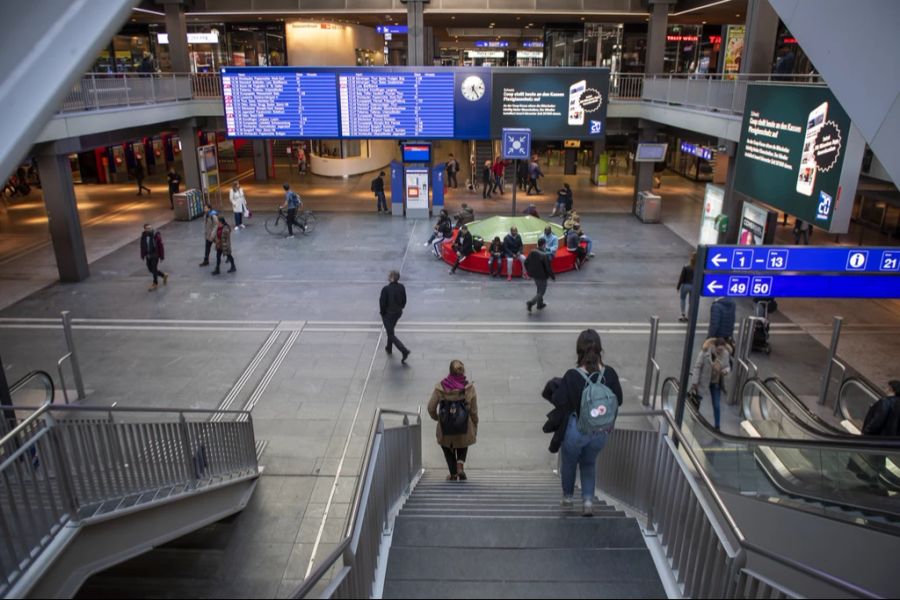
(396, 104)
(280, 104)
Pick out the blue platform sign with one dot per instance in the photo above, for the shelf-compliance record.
(801, 286)
(392, 29)
(803, 259)
(516, 143)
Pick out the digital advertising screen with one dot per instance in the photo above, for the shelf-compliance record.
(793, 142)
(559, 103)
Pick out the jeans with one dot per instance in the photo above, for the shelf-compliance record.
(509, 264)
(238, 219)
(498, 183)
(228, 259)
(451, 179)
(580, 450)
(390, 322)
(686, 289)
(292, 220)
(801, 235)
(495, 260)
(153, 267)
(590, 243)
(382, 201)
(541, 290)
(715, 392)
(453, 456)
(206, 251)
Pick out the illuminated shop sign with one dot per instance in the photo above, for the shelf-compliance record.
(533, 44)
(491, 44)
(698, 151)
(193, 38)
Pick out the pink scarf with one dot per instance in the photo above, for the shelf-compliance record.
(454, 382)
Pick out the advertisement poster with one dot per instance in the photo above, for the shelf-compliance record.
(553, 103)
(713, 200)
(734, 50)
(792, 150)
(753, 225)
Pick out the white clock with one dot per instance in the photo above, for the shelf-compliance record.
(472, 88)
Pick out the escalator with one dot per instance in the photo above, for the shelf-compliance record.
(785, 462)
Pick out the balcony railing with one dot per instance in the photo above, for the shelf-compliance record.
(96, 91)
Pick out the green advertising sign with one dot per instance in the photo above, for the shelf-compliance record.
(793, 141)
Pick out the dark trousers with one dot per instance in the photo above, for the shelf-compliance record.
(206, 251)
(532, 185)
(153, 267)
(238, 219)
(498, 184)
(382, 201)
(172, 197)
(454, 455)
(541, 290)
(451, 179)
(142, 187)
(292, 220)
(485, 188)
(390, 322)
(459, 258)
(228, 258)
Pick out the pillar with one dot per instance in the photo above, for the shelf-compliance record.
(760, 35)
(187, 132)
(261, 160)
(62, 213)
(415, 38)
(176, 28)
(733, 204)
(656, 36)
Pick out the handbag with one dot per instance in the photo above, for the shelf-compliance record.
(247, 213)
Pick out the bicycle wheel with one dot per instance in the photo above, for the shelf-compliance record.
(309, 222)
(276, 225)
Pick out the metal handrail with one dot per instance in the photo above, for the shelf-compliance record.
(860, 383)
(351, 531)
(25, 423)
(133, 409)
(820, 423)
(48, 382)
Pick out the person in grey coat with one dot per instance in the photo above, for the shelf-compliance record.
(711, 367)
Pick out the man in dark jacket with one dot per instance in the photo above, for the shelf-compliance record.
(538, 267)
(465, 215)
(721, 319)
(512, 249)
(139, 178)
(174, 180)
(152, 251)
(391, 304)
(883, 417)
(464, 246)
(378, 189)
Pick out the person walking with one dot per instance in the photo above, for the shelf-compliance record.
(377, 188)
(452, 170)
(391, 304)
(464, 216)
(563, 201)
(454, 405)
(722, 316)
(223, 245)
(464, 246)
(538, 267)
(211, 221)
(685, 286)
(174, 180)
(152, 252)
(883, 419)
(711, 367)
(512, 249)
(522, 174)
(238, 205)
(534, 173)
(301, 160)
(497, 170)
(486, 179)
(801, 232)
(139, 177)
(586, 401)
(293, 203)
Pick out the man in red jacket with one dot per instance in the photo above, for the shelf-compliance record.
(152, 251)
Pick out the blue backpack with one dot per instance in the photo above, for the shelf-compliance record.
(599, 405)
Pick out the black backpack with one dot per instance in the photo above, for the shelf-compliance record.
(453, 417)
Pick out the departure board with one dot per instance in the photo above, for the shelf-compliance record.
(397, 104)
(280, 104)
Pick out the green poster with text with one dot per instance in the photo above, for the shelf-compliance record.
(792, 150)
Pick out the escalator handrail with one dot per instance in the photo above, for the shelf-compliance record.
(861, 383)
(840, 443)
(826, 427)
(48, 380)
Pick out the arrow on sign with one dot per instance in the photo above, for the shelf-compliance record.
(718, 259)
(714, 287)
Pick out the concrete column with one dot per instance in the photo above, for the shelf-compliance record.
(415, 39)
(656, 36)
(187, 132)
(62, 213)
(176, 28)
(643, 180)
(261, 160)
(734, 202)
(759, 37)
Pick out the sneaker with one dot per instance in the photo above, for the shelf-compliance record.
(591, 255)
(405, 356)
(683, 319)
(566, 502)
(165, 279)
(152, 287)
(588, 508)
(426, 244)
(528, 305)
(289, 237)
(509, 277)
(452, 271)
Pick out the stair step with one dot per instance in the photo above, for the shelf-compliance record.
(445, 503)
(556, 512)
(515, 589)
(521, 565)
(606, 532)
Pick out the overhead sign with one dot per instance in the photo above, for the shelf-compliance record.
(491, 44)
(698, 151)
(793, 144)
(533, 44)
(485, 53)
(392, 29)
(559, 103)
(801, 286)
(804, 259)
(516, 144)
(192, 38)
(530, 54)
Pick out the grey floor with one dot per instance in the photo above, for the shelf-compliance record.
(187, 344)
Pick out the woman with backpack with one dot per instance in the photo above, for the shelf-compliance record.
(712, 365)
(454, 406)
(586, 401)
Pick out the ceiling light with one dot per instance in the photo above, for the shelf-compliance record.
(582, 18)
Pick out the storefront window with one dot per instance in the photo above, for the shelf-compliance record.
(564, 45)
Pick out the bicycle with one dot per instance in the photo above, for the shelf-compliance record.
(277, 225)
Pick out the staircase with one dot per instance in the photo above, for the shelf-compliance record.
(505, 535)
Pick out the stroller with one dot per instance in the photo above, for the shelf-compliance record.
(760, 333)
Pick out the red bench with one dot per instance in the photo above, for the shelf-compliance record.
(477, 262)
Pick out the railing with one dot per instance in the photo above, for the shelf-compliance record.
(67, 464)
(651, 372)
(96, 91)
(45, 380)
(854, 399)
(704, 545)
(626, 86)
(392, 461)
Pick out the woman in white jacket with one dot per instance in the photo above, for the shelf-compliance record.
(238, 204)
(711, 367)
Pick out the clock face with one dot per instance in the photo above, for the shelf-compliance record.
(472, 88)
